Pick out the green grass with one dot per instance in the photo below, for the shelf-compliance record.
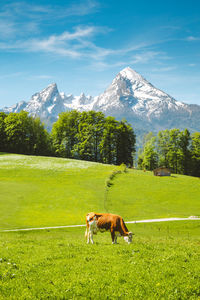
(162, 263)
(139, 195)
(43, 191)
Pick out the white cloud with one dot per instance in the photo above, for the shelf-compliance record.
(192, 65)
(172, 27)
(79, 44)
(102, 65)
(17, 9)
(164, 69)
(41, 77)
(145, 57)
(24, 21)
(82, 8)
(22, 18)
(7, 29)
(16, 74)
(66, 44)
(192, 38)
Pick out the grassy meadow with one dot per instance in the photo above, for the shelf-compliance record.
(163, 262)
(44, 191)
(140, 195)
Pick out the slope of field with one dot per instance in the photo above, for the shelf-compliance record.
(140, 195)
(43, 191)
(162, 263)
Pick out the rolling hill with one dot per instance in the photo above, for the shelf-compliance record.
(46, 191)
(161, 263)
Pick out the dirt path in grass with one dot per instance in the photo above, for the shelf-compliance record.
(192, 218)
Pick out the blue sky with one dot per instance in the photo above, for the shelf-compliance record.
(81, 45)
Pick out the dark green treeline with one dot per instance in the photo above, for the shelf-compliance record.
(22, 134)
(94, 137)
(175, 149)
(86, 136)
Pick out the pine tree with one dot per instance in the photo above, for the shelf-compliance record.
(125, 143)
(163, 144)
(150, 156)
(185, 153)
(108, 144)
(64, 134)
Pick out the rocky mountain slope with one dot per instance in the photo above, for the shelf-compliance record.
(129, 96)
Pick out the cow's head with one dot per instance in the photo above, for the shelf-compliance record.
(128, 238)
(90, 216)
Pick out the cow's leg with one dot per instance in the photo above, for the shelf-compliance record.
(88, 238)
(113, 236)
(91, 237)
(115, 239)
(88, 235)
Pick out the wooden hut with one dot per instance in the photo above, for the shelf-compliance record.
(162, 171)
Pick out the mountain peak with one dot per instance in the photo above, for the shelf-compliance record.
(82, 95)
(51, 87)
(130, 74)
(49, 92)
(129, 96)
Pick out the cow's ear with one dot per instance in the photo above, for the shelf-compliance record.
(92, 214)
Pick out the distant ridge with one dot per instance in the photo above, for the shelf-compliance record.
(129, 96)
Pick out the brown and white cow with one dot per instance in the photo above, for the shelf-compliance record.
(103, 222)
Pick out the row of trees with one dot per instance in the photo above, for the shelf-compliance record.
(87, 136)
(20, 133)
(94, 137)
(175, 149)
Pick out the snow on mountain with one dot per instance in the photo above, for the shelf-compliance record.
(15, 108)
(80, 103)
(130, 92)
(132, 97)
(129, 96)
(46, 103)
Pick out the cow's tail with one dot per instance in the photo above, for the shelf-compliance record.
(124, 228)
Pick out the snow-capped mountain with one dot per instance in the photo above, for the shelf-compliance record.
(131, 93)
(129, 96)
(132, 97)
(48, 103)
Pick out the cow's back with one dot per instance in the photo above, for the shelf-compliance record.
(104, 221)
(109, 221)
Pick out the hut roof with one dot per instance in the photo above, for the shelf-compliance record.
(161, 168)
